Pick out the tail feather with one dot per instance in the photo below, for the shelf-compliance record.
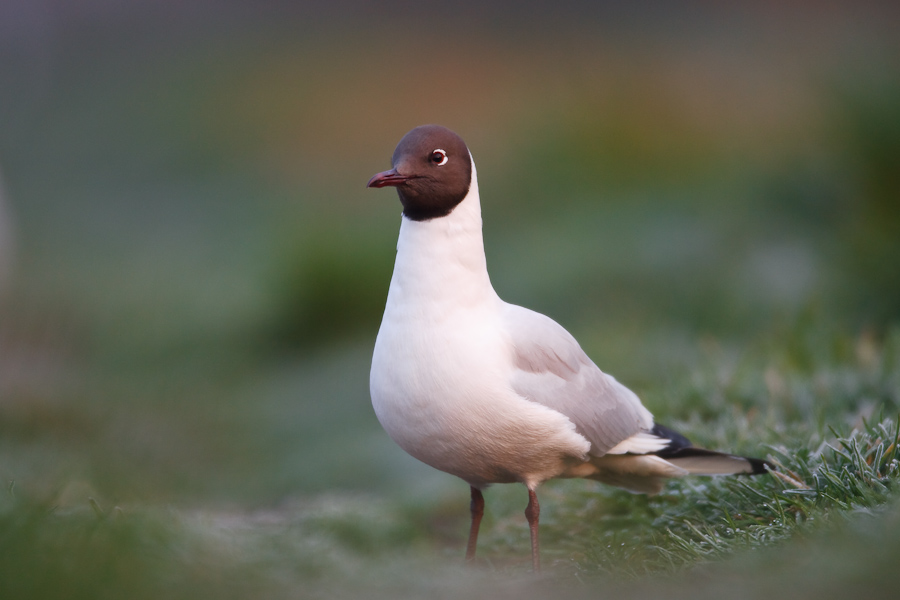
(637, 473)
(699, 461)
(638, 469)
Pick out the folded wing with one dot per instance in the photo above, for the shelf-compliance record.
(628, 449)
(553, 370)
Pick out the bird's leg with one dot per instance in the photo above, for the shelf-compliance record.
(477, 509)
(532, 513)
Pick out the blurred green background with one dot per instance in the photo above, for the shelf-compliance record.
(192, 271)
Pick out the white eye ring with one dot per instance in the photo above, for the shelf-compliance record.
(439, 157)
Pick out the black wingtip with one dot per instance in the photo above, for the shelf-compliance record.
(681, 447)
(760, 466)
(676, 440)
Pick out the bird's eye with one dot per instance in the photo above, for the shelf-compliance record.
(439, 157)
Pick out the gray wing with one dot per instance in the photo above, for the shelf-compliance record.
(553, 370)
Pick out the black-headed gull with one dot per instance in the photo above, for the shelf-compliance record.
(489, 391)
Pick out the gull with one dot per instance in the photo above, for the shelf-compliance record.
(489, 391)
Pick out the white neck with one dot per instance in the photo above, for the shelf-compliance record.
(440, 262)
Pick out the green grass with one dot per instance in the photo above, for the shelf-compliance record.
(837, 469)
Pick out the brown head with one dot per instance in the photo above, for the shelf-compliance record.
(432, 171)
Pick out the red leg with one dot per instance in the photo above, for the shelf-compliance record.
(477, 509)
(533, 513)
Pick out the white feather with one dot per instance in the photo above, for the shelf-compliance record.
(640, 443)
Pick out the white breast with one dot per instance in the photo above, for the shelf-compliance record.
(441, 370)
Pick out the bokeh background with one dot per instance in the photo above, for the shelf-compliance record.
(192, 271)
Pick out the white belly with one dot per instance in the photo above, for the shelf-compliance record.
(442, 393)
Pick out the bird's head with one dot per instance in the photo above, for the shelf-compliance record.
(432, 171)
